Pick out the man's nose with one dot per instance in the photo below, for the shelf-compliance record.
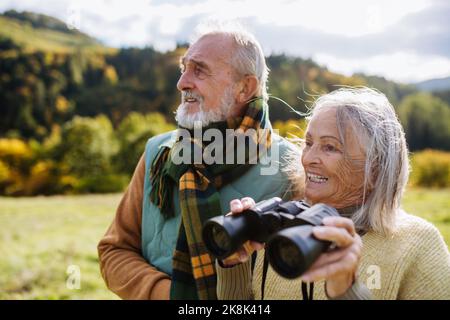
(185, 82)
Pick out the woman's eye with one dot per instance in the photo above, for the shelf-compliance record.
(330, 148)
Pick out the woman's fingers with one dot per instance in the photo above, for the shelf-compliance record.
(340, 236)
(239, 256)
(247, 202)
(342, 262)
(243, 254)
(346, 264)
(237, 206)
(340, 222)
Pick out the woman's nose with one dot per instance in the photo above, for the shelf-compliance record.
(310, 156)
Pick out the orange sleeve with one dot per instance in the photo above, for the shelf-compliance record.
(122, 265)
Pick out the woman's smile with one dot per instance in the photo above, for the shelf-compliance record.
(316, 178)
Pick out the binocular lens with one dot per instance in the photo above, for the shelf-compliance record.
(288, 254)
(219, 239)
(293, 250)
(286, 257)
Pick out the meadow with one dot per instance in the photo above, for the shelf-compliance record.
(41, 237)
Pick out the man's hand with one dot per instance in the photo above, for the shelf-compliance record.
(244, 253)
(337, 267)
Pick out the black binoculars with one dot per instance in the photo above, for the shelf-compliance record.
(284, 226)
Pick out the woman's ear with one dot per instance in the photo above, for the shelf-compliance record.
(248, 88)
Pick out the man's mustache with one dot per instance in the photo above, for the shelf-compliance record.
(188, 94)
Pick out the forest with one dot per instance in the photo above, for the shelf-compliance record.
(75, 115)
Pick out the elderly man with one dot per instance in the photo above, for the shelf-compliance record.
(153, 248)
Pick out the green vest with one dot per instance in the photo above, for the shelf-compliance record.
(159, 235)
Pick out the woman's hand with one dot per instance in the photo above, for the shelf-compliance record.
(243, 254)
(337, 267)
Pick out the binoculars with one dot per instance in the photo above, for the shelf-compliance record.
(284, 226)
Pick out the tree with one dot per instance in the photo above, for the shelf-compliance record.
(426, 120)
(87, 146)
(133, 133)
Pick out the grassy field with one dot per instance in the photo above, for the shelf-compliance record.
(41, 237)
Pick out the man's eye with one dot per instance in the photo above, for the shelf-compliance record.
(308, 143)
(198, 71)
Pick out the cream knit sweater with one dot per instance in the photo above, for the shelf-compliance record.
(414, 263)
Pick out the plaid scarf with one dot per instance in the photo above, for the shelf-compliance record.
(194, 276)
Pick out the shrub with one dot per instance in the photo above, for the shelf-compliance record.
(431, 168)
(4, 173)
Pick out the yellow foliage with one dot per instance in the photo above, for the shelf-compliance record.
(54, 138)
(48, 58)
(40, 176)
(68, 183)
(14, 148)
(4, 172)
(431, 168)
(315, 88)
(111, 75)
(41, 167)
(9, 54)
(291, 128)
(62, 105)
(16, 183)
(313, 73)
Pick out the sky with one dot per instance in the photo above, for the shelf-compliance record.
(403, 40)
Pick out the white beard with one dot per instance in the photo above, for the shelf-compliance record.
(187, 119)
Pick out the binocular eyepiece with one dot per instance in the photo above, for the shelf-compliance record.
(285, 228)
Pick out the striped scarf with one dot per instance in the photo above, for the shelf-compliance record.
(194, 276)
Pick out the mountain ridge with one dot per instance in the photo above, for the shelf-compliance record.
(38, 32)
(436, 84)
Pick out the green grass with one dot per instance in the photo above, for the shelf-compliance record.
(46, 39)
(432, 205)
(40, 237)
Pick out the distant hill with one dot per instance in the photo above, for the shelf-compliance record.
(38, 32)
(393, 90)
(441, 84)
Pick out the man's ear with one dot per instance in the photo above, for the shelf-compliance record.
(248, 88)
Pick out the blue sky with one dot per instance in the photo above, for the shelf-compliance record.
(402, 40)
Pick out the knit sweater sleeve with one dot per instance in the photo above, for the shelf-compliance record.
(358, 291)
(428, 276)
(234, 283)
(122, 265)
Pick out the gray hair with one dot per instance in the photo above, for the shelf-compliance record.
(374, 122)
(248, 57)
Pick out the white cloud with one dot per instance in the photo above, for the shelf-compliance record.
(345, 17)
(403, 66)
(348, 35)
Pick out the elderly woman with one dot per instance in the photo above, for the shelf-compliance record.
(355, 159)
